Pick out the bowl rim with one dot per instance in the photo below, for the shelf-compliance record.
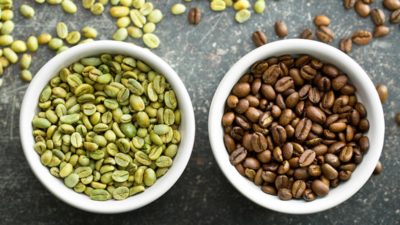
(295, 47)
(29, 107)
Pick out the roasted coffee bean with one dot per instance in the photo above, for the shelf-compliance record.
(258, 142)
(239, 167)
(280, 102)
(315, 114)
(304, 92)
(238, 156)
(237, 133)
(330, 70)
(247, 142)
(329, 172)
(307, 34)
(259, 38)
(378, 17)
(264, 156)
(242, 106)
(361, 109)
(320, 150)
(314, 95)
(253, 101)
(272, 60)
(283, 84)
(348, 89)
(252, 114)
(301, 173)
(228, 119)
(284, 71)
(268, 92)
(307, 72)
(258, 178)
(232, 101)
(281, 181)
(287, 151)
(259, 68)
(247, 78)
(345, 175)
(282, 169)
(292, 100)
(269, 189)
(357, 156)
(378, 168)
(316, 64)
(362, 9)
(284, 194)
(335, 182)
(288, 60)
(194, 16)
(332, 160)
(381, 31)
(395, 16)
(279, 135)
(298, 188)
(294, 162)
(271, 74)
(250, 173)
(391, 4)
(361, 37)
(348, 166)
(309, 195)
(349, 3)
(241, 90)
(321, 20)
(350, 133)
(352, 100)
(346, 154)
(286, 117)
(346, 44)
(281, 29)
(229, 143)
(382, 92)
(277, 154)
(307, 158)
(242, 122)
(303, 129)
(269, 176)
(251, 163)
(324, 84)
(339, 82)
(325, 34)
(364, 125)
(314, 170)
(272, 166)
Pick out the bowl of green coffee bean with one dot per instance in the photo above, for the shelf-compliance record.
(107, 127)
(296, 126)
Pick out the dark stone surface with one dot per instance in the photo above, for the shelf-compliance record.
(201, 55)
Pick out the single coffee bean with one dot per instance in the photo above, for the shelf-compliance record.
(284, 194)
(301, 173)
(269, 189)
(243, 122)
(250, 174)
(321, 20)
(252, 114)
(378, 168)
(258, 142)
(349, 3)
(361, 37)
(298, 188)
(325, 34)
(378, 17)
(281, 181)
(228, 119)
(381, 31)
(335, 182)
(237, 133)
(357, 156)
(345, 175)
(391, 4)
(307, 72)
(247, 78)
(314, 95)
(286, 117)
(329, 172)
(288, 60)
(346, 154)
(348, 89)
(251, 163)
(349, 166)
(309, 195)
(272, 166)
(194, 16)
(259, 38)
(241, 90)
(307, 158)
(336, 147)
(284, 168)
(247, 142)
(303, 129)
(271, 75)
(346, 44)
(279, 135)
(232, 101)
(330, 70)
(281, 29)
(395, 16)
(238, 156)
(269, 176)
(277, 154)
(264, 156)
(258, 68)
(362, 9)
(314, 170)
(398, 118)
(319, 188)
(229, 143)
(242, 106)
(315, 114)
(382, 92)
(283, 84)
(307, 34)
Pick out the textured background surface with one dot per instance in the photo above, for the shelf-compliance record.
(201, 55)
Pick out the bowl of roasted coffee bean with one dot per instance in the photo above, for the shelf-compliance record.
(296, 126)
(107, 127)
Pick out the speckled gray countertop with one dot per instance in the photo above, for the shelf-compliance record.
(201, 55)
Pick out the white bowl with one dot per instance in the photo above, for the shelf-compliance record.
(55, 185)
(365, 93)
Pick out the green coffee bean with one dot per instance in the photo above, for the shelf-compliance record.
(149, 27)
(7, 14)
(6, 40)
(55, 43)
(87, 4)
(97, 9)
(123, 22)
(127, 3)
(55, 172)
(18, 46)
(69, 6)
(100, 195)
(25, 61)
(149, 177)
(83, 172)
(32, 43)
(164, 161)
(242, 16)
(151, 40)
(178, 9)
(139, 174)
(7, 27)
(73, 37)
(138, 19)
(171, 151)
(121, 34)
(89, 32)
(120, 175)
(138, 3)
(121, 193)
(155, 16)
(217, 5)
(146, 9)
(259, 6)
(161, 171)
(62, 30)
(27, 11)
(71, 180)
(62, 49)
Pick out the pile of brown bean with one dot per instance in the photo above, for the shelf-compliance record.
(295, 127)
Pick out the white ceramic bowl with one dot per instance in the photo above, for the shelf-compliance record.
(55, 185)
(365, 93)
